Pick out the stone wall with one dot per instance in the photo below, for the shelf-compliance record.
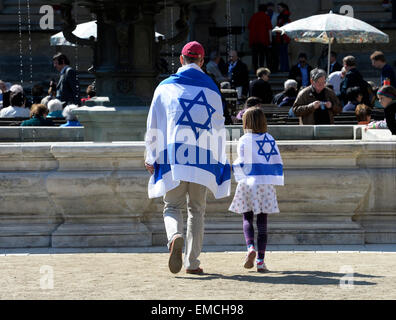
(86, 194)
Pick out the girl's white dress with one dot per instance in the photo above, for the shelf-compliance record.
(259, 198)
(257, 169)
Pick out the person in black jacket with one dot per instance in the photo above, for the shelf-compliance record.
(387, 98)
(238, 74)
(334, 64)
(68, 87)
(260, 87)
(301, 71)
(353, 78)
(278, 98)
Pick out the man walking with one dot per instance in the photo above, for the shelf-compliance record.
(185, 153)
(68, 88)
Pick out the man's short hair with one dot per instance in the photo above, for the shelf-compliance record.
(303, 55)
(317, 74)
(213, 55)
(54, 105)
(16, 88)
(262, 71)
(37, 90)
(17, 99)
(61, 58)
(91, 91)
(262, 7)
(333, 54)
(353, 92)
(290, 83)
(67, 112)
(189, 60)
(378, 56)
(350, 61)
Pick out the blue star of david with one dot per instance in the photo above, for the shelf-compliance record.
(261, 151)
(186, 119)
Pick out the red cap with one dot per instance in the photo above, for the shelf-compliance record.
(193, 49)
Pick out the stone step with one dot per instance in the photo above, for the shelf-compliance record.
(370, 16)
(369, 8)
(357, 2)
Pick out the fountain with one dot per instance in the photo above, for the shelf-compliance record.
(125, 57)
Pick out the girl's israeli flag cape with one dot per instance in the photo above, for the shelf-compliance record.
(259, 160)
(185, 138)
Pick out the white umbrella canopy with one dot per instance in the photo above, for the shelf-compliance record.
(84, 30)
(324, 28)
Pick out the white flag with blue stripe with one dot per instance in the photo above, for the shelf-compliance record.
(259, 160)
(186, 137)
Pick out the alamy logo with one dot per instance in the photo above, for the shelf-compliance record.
(47, 20)
(47, 278)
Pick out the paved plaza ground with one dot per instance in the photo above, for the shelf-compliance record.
(297, 272)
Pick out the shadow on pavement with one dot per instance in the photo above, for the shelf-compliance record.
(290, 277)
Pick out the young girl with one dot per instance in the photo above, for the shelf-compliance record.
(257, 168)
(387, 97)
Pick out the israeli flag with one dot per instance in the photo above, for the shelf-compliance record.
(186, 137)
(259, 160)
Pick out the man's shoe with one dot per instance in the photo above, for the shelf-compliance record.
(195, 271)
(175, 257)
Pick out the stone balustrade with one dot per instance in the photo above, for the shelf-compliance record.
(69, 134)
(86, 194)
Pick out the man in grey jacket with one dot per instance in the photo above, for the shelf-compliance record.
(68, 87)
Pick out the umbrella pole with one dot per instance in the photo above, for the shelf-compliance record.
(328, 58)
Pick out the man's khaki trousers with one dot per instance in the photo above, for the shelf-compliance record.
(175, 200)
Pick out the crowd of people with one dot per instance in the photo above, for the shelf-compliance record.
(41, 106)
(309, 93)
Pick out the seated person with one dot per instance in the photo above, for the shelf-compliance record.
(374, 100)
(316, 104)
(46, 99)
(287, 84)
(17, 107)
(72, 120)
(37, 93)
(55, 109)
(250, 102)
(260, 87)
(354, 96)
(387, 97)
(212, 67)
(363, 114)
(290, 97)
(38, 115)
(90, 93)
(3, 93)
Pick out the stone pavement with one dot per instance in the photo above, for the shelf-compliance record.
(297, 272)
